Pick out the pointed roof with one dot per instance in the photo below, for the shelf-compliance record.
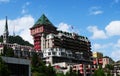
(43, 20)
(6, 26)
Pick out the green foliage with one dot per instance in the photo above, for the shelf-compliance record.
(3, 68)
(60, 74)
(8, 51)
(1, 38)
(71, 73)
(50, 71)
(108, 73)
(39, 67)
(16, 39)
(37, 74)
(99, 72)
(35, 60)
(109, 66)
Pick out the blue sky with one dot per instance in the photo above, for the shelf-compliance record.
(99, 20)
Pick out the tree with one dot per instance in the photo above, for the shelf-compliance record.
(39, 68)
(60, 74)
(3, 68)
(99, 72)
(16, 39)
(50, 71)
(7, 51)
(109, 66)
(71, 73)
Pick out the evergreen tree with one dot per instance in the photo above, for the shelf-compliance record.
(99, 72)
(50, 71)
(109, 66)
(39, 68)
(60, 74)
(8, 51)
(71, 73)
(3, 68)
(16, 39)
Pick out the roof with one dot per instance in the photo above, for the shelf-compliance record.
(6, 26)
(43, 20)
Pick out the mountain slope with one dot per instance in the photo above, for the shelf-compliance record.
(16, 39)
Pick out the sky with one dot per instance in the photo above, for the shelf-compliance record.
(99, 20)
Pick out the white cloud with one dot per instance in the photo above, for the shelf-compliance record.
(2, 23)
(116, 55)
(5, 1)
(24, 11)
(64, 27)
(22, 26)
(101, 47)
(67, 28)
(118, 44)
(113, 28)
(97, 34)
(24, 8)
(95, 11)
(116, 51)
(96, 47)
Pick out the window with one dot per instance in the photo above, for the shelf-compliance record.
(54, 53)
(49, 53)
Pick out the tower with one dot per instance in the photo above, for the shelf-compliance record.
(6, 32)
(42, 26)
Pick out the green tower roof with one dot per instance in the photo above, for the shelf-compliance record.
(43, 20)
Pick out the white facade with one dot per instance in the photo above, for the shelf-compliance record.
(57, 52)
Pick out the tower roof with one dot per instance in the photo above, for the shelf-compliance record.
(43, 20)
(6, 26)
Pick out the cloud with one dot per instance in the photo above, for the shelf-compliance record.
(95, 11)
(96, 47)
(67, 28)
(21, 25)
(64, 27)
(110, 31)
(117, 45)
(113, 28)
(4, 1)
(97, 34)
(116, 55)
(116, 51)
(23, 11)
(24, 8)
(109, 49)
(101, 47)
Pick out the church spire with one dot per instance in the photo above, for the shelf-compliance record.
(6, 33)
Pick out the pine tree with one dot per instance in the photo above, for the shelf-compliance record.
(3, 68)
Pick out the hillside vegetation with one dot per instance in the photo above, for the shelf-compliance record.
(16, 39)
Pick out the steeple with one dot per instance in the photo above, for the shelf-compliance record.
(6, 33)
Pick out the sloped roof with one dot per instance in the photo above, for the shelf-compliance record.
(43, 20)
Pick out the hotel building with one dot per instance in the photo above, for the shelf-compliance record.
(60, 49)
